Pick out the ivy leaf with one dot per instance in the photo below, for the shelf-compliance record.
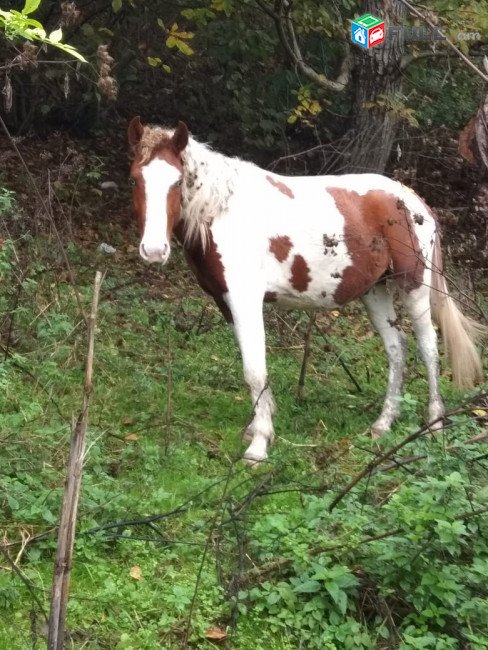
(307, 587)
(56, 36)
(170, 41)
(223, 5)
(183, 47)
(154, 61)
(30, 6)
(333, 590)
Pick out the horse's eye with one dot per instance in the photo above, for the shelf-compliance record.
(179, 183)
(132, 181)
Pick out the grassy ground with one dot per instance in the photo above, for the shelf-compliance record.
(191, 557)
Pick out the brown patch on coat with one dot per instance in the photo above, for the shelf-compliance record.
(139, 197)
(207, 267)
(280, 247)
(270, 296)
(173, 209)
(379, 235)
(284, 189)
(300, 274)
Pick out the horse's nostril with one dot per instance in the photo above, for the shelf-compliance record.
(143, 252)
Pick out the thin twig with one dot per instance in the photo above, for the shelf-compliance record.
(317, 550)
(25, 580)
(428, 428)
(168, 398)
(412, 459)
(306, 353)
(50, 216)
(342, 362)
(461, 55)
(204, 556)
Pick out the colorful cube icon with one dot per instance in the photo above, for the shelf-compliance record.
(368, 31)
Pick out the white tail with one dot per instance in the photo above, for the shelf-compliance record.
(458, 331)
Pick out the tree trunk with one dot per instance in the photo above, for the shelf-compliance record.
(377, 77)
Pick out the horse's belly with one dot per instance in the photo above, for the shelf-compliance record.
(305, 285)
(304, 301)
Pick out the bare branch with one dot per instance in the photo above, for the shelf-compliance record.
(411, 58)
(461, 55)
(287, 36)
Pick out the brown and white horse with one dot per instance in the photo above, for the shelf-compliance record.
(313, 242)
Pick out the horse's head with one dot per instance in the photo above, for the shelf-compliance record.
(156, 176)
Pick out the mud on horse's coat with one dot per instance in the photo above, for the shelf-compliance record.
(306, 242)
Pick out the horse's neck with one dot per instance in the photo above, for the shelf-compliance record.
(210, 179)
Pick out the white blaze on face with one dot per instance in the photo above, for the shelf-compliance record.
(158, 176)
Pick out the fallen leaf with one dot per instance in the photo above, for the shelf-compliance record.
(135, 572)
(215, 633)
(335, 313)
(131, 436)
(480, 412)
(215, 358)
(128, 421)
(238, 398)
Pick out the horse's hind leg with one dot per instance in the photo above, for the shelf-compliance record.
(379, 305)
(417, 303)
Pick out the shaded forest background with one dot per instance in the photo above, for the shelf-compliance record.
(274, 82)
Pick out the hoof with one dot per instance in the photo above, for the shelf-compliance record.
(436, 426)
(377, 431)
(254, 461)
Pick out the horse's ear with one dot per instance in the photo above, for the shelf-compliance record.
(135, 131)
(180, 137)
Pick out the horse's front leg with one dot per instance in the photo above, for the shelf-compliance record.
(249, 328)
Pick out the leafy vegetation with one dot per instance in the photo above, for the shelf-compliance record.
(16, 25)
(174, 534)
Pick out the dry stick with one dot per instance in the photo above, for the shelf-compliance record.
(412, 459)
(306, 353)
(168, 398)
(420, 15)
(66, 535)
(317, 550)
(25, 580)
(388, 454)
(343, 364)
(51, 219)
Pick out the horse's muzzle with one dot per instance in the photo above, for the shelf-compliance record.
(154, 254)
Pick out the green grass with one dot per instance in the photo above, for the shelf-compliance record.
(230, 518)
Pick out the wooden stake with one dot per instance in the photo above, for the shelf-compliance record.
(67, 526)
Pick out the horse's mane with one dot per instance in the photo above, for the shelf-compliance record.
(210, 179)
